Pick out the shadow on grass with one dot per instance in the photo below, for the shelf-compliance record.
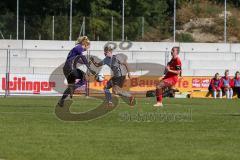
(64, 113)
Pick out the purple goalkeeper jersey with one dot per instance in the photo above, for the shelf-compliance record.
(77, 50)
(75, 56)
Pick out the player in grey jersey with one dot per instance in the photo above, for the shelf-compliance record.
(119, 69)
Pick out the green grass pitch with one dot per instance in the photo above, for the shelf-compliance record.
(29, 130)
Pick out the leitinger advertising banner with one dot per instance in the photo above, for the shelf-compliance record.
(143, 84)
(27, 84)
(36, 84)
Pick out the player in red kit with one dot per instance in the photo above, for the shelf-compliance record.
(172, 71)
(216, 86)
(236, 83)
(227, 85)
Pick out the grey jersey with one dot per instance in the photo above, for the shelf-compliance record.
(116, 64)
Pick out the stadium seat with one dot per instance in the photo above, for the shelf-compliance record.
(10, 44)
(16, 62)
(48, 45)
(18, 53)
(156, 61)
(210, 56)
(211, 72)
(187, 72)
(156, 46)
(214, 64)
(46, 70)
(235, 48)
(237, 56)
(19, 70)
(147, 55)
(45, 62)
(13, 53)
(3, 53)
(47, 53)
(205, 47)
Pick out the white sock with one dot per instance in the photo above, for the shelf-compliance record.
(227, 94)
(230, 93)
(220, 94)
(215, 94)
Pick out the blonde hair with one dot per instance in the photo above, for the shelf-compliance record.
(83, 41)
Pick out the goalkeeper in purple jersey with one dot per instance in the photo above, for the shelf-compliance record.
(75, 77)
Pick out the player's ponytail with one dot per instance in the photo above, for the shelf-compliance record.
(83, 41)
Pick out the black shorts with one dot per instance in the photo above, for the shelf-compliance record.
(237, 91)
(75, 74)
(118, 81)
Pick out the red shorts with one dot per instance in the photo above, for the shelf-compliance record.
(171, 81)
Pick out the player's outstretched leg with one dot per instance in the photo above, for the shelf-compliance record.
(66, 93)
(159, 93)
(121, 92)
(75, 79)
(159, 96)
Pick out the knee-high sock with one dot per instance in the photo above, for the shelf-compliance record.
(220, 94)
(215, 94)
(230, 93)
(227, 93)
(108, 95)
(69, 91)
(66, 93)
(159, 95)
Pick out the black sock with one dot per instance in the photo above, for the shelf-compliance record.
(66, 93)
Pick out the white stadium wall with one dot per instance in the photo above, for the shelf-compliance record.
(199, 59)
(30, 58)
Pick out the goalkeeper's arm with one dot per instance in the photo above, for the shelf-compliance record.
(84, 60)
(97, 64)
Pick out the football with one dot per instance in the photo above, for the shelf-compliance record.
(99, 77)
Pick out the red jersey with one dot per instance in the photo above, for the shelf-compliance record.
(176, 65)
(216, 84)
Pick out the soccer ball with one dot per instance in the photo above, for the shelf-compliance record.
(99, 77)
